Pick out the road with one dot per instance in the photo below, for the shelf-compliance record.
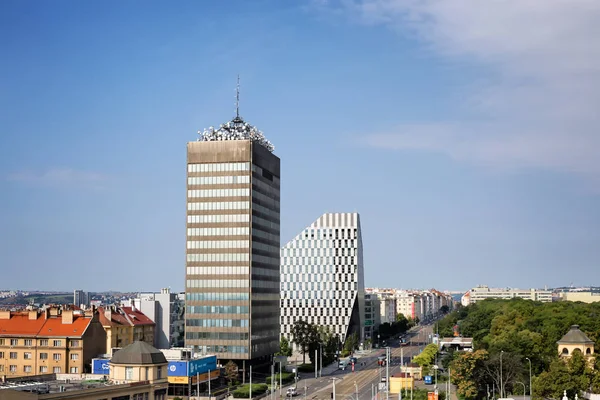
(367, 376)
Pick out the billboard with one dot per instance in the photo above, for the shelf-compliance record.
(202, 365)
(177, 368)
(178, 379)
(100, 366)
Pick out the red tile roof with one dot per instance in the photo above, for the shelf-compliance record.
(137, 317)
(128, 318)
(20, 325)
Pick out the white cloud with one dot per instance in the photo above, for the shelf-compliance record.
(540, 110)
(60, 177)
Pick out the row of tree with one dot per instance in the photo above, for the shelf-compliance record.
(311, 338)
(509, 335)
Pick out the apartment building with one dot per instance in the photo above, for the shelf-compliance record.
(483, 292)
(53, 340)
(125, 325)
(372, 315)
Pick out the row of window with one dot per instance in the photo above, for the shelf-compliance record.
(218, 257)
(218, 180)
(318, 269)
(218, 270)
(217, 323)
(13, 355)
(211, 219)
(319, 250)
(218, 283)
(268, 211)
(42, 342)
(260, 171)
(217, 296)
(218, 193)
(218, 244)
(42, 370)
(266, 259)
(217, 335)
(265, 235)
(217, 231)
(219, 205)
(266, 199)
(219, 167)
(218, 309)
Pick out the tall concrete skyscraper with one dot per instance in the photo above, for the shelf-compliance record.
(232, 266)
(322, 276)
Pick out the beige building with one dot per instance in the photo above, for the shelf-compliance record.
(480, 293)
(232, 250)
(55, 340)
(584, 297)
(576, 341)
(137, 372)
(125, 325)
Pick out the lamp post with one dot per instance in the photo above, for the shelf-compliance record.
(356, 387)
(333, 379)
(321, 359)
(530, 387)
(523, 388)
(501, 384)
(378, 336)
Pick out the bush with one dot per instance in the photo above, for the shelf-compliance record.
(243, 392)
(306, 368)
(285, 377)
(345, 353)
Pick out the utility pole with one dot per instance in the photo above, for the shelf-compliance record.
(273, 382)
(316, 363)
(356, 386)
(198, 384)
(387, 373)
(209, 393)
(321, 360)
(250, 381)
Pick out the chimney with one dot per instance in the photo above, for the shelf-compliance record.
(46, 313)
(33, 314)
(53, 311)
(108, 313)
(67, 316)
(4, 314)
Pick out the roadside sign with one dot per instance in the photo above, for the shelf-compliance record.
(428, 379)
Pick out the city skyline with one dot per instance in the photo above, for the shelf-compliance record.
(466, 159)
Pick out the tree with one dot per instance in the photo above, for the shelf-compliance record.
(304, 334)
(231, 372)
(351, 343)
(503, 374)
(284, 347)
(444, 309)
(465, 375)
(426, 358)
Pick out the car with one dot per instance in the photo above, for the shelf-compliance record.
(291, 392)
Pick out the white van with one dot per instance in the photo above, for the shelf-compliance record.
(343, 364)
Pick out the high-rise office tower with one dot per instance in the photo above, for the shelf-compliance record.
(80, 298)
(322, 277)
(232, 266)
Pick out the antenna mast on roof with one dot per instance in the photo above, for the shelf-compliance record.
(237, 98)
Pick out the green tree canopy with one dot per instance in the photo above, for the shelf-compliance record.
(304, 334)
(284, 347)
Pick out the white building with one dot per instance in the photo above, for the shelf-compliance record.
(408, 303)
(388, 311)
(480, 293)
(167, 310)
(322, 277)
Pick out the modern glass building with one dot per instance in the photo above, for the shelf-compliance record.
(232, 252)
(322, 276)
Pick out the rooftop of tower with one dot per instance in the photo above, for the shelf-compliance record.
(236, 129)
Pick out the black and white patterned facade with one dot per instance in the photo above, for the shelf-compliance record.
(322, 276)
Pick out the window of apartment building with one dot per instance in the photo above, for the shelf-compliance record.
(27, 368)
(1, 354)
(12, 368)
(57, 343)
(147, 372)
(56, 370)
(1, 342)
(56, 356)
(129, 373)
(28, 342)
(74, 370)
(74, 343)
(27, 356)
(75, 356)
(43, 356)
(43, 369)
(13, 355)
(159, 373)
(44, 342)
(140, 396)
(14, 342)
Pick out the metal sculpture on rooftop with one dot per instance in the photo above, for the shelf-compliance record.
(236, 129)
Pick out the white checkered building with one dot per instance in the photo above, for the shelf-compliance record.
(322, 276)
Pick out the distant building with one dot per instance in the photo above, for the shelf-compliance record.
(125, 325)
(81, 298)
(584, 297)
(167, 310)
(388, 310)
(372, 315)
(56, 340)
(480, 293)
(322, 276)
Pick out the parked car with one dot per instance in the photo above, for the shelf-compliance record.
(291, 392)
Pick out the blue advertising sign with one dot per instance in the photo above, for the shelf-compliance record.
(100, 366)
(428, 380)
(177, 368)
(202, 365)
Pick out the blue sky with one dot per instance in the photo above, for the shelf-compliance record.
(464, 134)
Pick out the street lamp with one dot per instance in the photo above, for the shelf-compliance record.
(530, 387)
(356, 386)
(378, 336)
(501, 384)
(523, 388)
(333, 379)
